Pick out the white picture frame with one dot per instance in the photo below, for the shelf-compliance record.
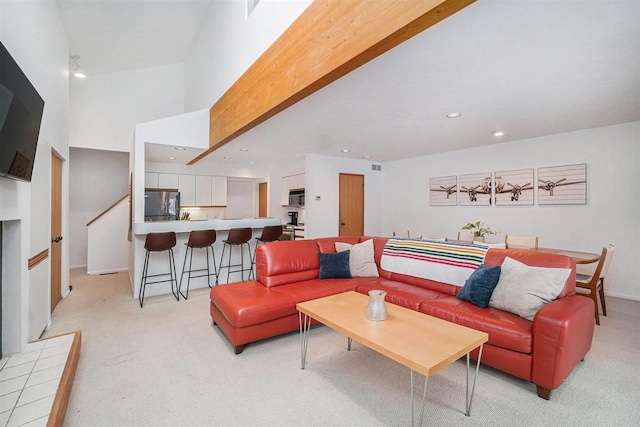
(443, 191)
(562, 185)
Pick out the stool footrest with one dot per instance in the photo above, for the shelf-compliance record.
(173, 276)
(191, 270)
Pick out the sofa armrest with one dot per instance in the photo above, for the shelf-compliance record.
(562, 335)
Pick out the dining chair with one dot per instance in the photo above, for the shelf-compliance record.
(519, 242)
(465, 236)
(401, 234)
(595, 282)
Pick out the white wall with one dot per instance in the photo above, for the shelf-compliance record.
(228, 43)
(98, 179)
(108, 249)
(33, 33)
(40, 239)
(105, 108)
(322, 179)
(612, 213)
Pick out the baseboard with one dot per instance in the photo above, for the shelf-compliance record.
(623, 296)
(109, 271)
(77, 266)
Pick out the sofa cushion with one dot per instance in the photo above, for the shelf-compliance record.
(536, 259)
(279, 263)
(250, 303)
(335, 266)
(378, 248)
(445, 288)
(480, 285)
(505, 329)
(399, 293)
(523, 290)
(361, 260)
(316, 288)
(328, 244)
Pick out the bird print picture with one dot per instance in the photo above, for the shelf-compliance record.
(562, 185)
(443, 191)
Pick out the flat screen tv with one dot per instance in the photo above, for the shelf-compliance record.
(20, 115)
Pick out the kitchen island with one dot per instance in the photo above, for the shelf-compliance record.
(158, 261)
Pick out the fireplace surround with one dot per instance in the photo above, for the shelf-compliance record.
(14, 286)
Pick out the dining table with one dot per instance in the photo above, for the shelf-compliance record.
(578, 257)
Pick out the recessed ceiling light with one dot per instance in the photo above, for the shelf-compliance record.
(171, 158)
(498, 133)
(227, 158)
(454, 115)
(253, 163)
(346, 150)
(244, 149)
(179, 148)
(367, 156)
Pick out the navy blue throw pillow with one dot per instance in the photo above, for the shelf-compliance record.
(335, 266)
(480, 285)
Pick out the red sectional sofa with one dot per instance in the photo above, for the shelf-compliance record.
(543, 351)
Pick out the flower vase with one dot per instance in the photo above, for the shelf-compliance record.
(478, 239)
(377, 309)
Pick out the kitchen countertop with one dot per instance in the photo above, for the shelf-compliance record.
(187, 226)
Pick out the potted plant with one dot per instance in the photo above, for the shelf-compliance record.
(479, 229)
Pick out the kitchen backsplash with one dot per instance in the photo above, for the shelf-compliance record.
(204, 213)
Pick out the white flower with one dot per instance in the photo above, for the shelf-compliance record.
(479, 228)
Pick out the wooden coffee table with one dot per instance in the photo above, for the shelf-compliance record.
(420, 342)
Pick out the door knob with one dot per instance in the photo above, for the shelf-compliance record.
(343, 224)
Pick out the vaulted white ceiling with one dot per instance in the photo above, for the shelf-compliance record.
(120, 35)
(527, 68)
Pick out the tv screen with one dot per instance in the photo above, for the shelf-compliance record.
(20, 115)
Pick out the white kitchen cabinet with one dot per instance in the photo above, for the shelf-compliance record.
(168, 180)
(187, 188)
(292, 182)
(203, 190)
(151, 180)
(218, 191)
(286, 182)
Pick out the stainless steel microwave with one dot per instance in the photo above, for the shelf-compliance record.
(296, 198)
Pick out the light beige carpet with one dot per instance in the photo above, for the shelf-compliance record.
(166, 364)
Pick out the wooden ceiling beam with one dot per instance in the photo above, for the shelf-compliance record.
(328, 40)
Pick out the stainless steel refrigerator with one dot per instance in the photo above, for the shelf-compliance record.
(161, 205)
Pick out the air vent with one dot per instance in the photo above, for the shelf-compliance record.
(376, 167)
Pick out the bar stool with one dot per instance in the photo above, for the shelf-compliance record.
(237, 237)
(199, 239)
(159, 242)
(270, 233)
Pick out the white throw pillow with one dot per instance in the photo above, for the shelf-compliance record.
(523, 290)
(361, 260)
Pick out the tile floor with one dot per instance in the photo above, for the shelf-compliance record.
(29, 381)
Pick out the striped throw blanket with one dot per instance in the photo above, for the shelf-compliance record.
(445, 262)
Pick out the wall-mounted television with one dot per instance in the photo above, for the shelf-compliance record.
(20, 115)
